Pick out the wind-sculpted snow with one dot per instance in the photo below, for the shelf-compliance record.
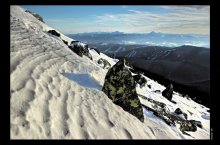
(48, 101)
(56, 94)
(84, 80)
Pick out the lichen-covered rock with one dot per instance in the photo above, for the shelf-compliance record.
(188, 125)
(168, 92)
(105, 62)
(119, 86)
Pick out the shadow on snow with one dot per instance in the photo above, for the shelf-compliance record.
(84, 80)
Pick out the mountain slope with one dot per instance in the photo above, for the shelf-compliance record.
(55, 94)
(46, 104)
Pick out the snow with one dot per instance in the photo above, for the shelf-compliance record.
(84, 80)
(199, 111)
(56, 94)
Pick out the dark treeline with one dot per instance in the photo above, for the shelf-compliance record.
(195, 94)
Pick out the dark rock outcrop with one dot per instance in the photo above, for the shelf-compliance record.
(35, 15)
(120, 87)
(80, 49)
(168, 92)
(188, 125)
(178, 111)
(53, 32)
(197, 123)
(140, 80)
(65, 42)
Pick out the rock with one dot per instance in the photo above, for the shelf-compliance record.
(197, 123)
(129, 65)
(105, 62)
(149, 86)
(140, 80)
(120, 87)
(88, 55)
(96, 50)
(178, 111)
(173, 101)
(162, 114)
(168, 92)
(80, 49)
(35, 15)
(157, 91)
(77, 50)
(53, 32)
(188, 125)
(65, 42)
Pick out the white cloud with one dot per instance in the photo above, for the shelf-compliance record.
(178, 19)
(175, 19)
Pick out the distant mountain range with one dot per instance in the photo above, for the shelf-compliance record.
(150, 39)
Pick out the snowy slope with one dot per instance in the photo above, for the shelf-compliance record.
(55, 94)
(199, 112)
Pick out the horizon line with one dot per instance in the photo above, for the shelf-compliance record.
(138, 33)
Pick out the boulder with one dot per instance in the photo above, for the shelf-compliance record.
(105, 62)
(178, 111)
(53, 32)
(168, 92)
(140, 80)
(80, 49)
(119, 86)
(188, 125)
(77, 50)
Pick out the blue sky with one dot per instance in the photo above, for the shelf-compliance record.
(139, 19)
